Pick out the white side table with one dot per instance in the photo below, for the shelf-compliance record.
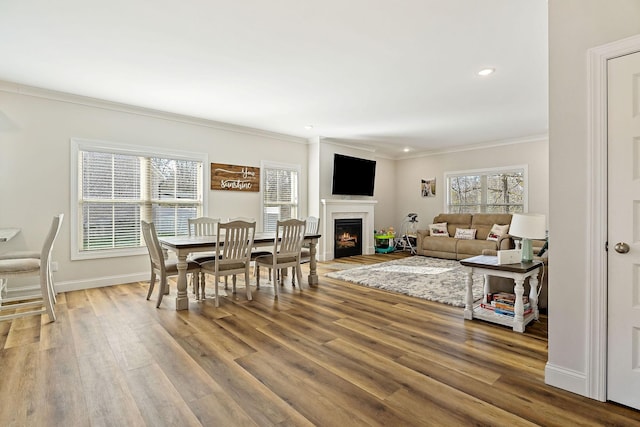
(488, 266)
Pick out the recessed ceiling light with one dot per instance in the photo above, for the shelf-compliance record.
(406, 149)
(308, 127)
(486, 71)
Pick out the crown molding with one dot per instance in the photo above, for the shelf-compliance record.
(53, 95)
(440, 151)
(478, 146)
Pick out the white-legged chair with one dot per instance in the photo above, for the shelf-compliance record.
(234, 241)
(159, 266)
(43, 300)
(313, 225)
(254, 252)
(286, 251)
(201, 226)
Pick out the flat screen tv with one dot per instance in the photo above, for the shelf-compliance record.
(353, 176)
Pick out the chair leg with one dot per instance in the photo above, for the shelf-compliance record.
(152, 283)
(299, 274)
(274, 273)
(217, 303)
(46, 299)
(161, 288)
(54, 294)
(247, 274)
(201, 287)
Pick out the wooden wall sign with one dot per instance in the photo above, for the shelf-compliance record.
(234, 178)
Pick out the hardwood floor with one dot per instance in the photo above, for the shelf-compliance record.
(334, 355)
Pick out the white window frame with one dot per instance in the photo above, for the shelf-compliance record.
(488, 171)
(80, 144)
(266, 164)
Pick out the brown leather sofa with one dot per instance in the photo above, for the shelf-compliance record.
(452, 248)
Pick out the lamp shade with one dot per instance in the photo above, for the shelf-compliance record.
(528, 226)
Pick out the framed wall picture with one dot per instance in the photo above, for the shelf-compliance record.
(428, 187)
(234, 178)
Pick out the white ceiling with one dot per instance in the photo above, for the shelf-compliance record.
(384, 74)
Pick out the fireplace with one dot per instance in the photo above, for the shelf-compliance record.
(348, 237)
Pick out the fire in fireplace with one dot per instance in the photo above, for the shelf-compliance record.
(348, 237)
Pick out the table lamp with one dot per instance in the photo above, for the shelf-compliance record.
(527, 227)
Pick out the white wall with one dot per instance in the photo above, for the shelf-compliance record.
(384, 187)
(35, 169)
(410, 172)
(574, 27)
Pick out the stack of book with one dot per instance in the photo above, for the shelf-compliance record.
(504, 303)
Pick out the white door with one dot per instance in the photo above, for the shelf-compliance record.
(623, 351)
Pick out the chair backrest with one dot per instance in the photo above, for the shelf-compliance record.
(47, 247)
(241, 218)
(202, 226)
(153, 245)
(289, 237)
(313, 225)
(234, 241)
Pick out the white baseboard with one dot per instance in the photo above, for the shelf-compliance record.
(76, 285)
(566, 379)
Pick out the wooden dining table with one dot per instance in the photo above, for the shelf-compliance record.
(182, 246)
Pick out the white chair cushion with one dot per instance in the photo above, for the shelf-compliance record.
(19, 266)
(20, 254)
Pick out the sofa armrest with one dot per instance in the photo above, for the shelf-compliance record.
(421, 234)
(505, 242)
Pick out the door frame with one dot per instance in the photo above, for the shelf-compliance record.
(596, 361)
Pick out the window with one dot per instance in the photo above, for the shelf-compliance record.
(487, 191)
(279, 193)
(115, 186)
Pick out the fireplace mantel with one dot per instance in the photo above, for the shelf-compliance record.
(333, 209)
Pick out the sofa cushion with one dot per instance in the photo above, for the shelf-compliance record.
(439, 230)
(440, 244)
(484, 222)
(465, 233)
(497, 231)
(454, 221)
(474, 247)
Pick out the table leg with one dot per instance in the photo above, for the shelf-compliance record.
(518, 320)
(182, 300)
(313, 273)
(3, 288)
(533, 295)
(468, 307)
(486, 289)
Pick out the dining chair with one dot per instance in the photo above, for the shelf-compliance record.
(234, 241)
(23, 255)
(42, 300)
(313, 225)
(201, 226)
(159, 266)
(254, 252)
(286, 251)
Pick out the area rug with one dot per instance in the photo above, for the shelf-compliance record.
(433, 279)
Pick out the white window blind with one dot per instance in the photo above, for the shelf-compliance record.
(117, 186)
(279, 193)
